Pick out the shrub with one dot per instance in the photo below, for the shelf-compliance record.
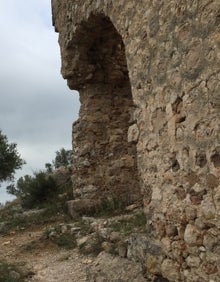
(63, 239)
(127, 226)
(34, 191)
(66, 241)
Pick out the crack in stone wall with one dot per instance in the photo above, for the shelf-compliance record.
(148, 72)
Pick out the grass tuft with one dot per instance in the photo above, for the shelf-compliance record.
(127, 226)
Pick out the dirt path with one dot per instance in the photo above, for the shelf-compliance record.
(44, 259)
(49, 263)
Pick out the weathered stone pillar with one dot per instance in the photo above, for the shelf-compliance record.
(105, 163)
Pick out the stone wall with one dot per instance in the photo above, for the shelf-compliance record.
(148, 74)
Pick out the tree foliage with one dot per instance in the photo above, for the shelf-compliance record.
(34, 191)
(41, 188)
(10, 159)
(63, 158)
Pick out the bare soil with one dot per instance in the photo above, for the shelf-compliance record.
(42, 259)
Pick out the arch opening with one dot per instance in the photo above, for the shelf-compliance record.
(105, 163)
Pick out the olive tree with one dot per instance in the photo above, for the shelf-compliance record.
(63, 158)
(10, 159)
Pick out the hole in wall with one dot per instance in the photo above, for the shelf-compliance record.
(215, 159)
(201, 160)
(175, 166)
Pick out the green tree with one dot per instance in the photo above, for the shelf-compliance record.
(10, 159)
(63, 158)
(34, 191)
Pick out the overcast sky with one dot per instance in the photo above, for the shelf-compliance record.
(36, 107)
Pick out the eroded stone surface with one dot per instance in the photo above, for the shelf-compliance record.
(148, 72)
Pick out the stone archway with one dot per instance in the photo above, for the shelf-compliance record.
(105, 163)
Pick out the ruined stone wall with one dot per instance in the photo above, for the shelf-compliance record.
(148, 73)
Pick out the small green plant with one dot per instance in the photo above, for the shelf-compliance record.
(85, 228)
(61, 238)
(66, 241)
(127, 226)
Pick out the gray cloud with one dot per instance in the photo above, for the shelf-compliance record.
(36, 107)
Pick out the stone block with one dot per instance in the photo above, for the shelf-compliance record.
(139, 246)
(82, 206)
